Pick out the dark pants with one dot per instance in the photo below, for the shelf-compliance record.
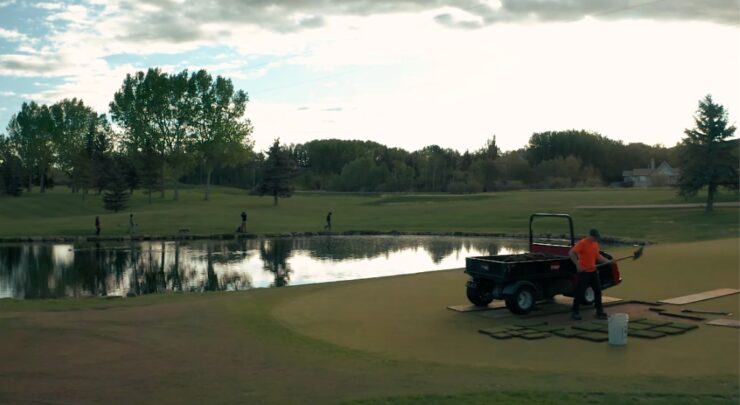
(583, 280)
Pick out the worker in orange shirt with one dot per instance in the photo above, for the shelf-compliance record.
(585, 254)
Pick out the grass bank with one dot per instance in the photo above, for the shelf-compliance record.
(60, 212)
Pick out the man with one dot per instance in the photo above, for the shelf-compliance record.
(97, 226)
(243, 228)
(328, 221)
(131, 225)
(585, 254)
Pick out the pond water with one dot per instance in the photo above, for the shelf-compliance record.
(47, 270)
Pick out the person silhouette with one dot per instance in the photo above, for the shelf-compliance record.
(243, 227)
(328, 221)
(97, 226)
(131, 225)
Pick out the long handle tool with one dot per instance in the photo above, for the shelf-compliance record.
(633, 256)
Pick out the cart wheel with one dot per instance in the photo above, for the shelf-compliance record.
(522, 301)
(588, 296)
(480, 295)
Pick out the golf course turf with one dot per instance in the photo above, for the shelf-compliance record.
(387, 340)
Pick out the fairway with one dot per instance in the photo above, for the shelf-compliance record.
(411, 321)
(388, 340)
(62, 213)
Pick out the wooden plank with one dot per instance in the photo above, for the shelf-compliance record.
(474, 308)
(706, 295)
(683, 316)
(732, 323)
(605, 299)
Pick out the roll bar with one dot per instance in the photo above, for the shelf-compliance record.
(544, 214)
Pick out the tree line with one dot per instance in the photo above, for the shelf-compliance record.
(168, 129)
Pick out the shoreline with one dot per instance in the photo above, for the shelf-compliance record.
(226, 236)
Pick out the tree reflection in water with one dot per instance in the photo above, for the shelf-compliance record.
(134, 268)
(274, 254)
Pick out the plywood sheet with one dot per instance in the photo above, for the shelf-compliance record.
(725, 322)
(605, 299)
(706, 295)
(473, 308)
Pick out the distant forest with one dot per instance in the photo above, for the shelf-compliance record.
(559, 159)
(190, 128)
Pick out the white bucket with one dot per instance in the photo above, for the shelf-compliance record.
(618, 329)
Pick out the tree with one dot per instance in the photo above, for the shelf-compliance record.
(29, 131)
(141, 107)
(11, 180)
(220, 137)
(278, 168)
(116, 196)
(70, 123)
(709, 158)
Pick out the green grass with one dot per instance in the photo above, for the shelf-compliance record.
(551, 398)
(377, 341)
(60, 212)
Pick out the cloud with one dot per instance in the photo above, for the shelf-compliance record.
(49, 6)
(154, 21)
(7, 93)
(7, 3)
(12, 35)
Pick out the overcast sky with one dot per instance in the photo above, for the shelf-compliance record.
(403, 73)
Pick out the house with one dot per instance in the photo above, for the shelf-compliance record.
(663, 175)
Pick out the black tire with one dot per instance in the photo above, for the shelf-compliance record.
(522, 301)
(480, 295)
(589, 297)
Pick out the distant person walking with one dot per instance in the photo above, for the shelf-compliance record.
(97, 226)
(131, 225)
(328, 221)
(243, 227)
(585, 254)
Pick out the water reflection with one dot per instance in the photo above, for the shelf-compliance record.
(30, 271)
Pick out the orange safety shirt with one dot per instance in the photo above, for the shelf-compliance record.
(587, 251)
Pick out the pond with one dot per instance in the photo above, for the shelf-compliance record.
(48, 270)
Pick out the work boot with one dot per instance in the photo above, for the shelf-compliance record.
(601, 315)
(575, 316)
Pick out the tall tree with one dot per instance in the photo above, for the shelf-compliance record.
(11, 180)
(221, 137)
(30, 132)
(116, 195)
(709, 158)
(278, 168)
(139, 107)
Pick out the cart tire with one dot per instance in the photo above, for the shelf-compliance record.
(522, 301)
(589, 297)
(481, 295)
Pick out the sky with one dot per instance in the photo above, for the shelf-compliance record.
(404, 73)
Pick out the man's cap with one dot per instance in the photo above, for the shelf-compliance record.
(594, 233)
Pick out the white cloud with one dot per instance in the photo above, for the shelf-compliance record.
(7, 93)
(12, 35)
(49, 6)
(7, 3)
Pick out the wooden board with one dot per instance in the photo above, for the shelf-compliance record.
(473, 308)
(725, 322)
(706, 295)
(605, 299)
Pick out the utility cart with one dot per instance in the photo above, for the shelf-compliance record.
(523, 279)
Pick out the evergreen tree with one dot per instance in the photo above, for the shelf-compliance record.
(116, 195)
(278, 169)
(709, 158)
